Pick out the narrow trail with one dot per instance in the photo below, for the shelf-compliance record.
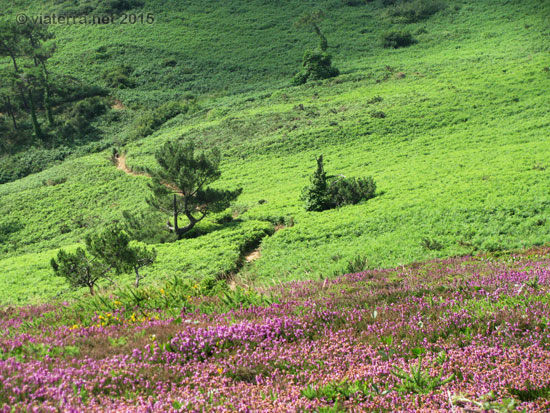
(253, 256)
(256, 253)
(120, 162)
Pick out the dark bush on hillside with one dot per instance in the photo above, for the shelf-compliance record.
(68, 91)
(397, 39)
(8, 228)
(351, 191)
(316, 65)
(354, 3)
(150, 121)
(414, 11)
(116, 6)
(96, 7)
(327, 192)
(76, 124)
(119, 77)
(431, 244)
(31, 161)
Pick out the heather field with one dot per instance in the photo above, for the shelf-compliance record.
(462, 334)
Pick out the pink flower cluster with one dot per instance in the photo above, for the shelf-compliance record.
(483, 323)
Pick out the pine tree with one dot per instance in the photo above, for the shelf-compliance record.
(316, 195)
(181, 185)
(112, 247)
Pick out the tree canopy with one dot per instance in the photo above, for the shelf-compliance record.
(180, 186)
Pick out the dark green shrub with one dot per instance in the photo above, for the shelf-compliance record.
(116, 6)
(354, 3)
(118, 77)
(316, 65)
(387, 3)
(326, 192)
(96, 7)
(169, 62)
(431, 244)
(31, 161)
(151, 121)
(415, 11)
(8, 228)
(344, 191)
(54, 182)
(397, 39)
(76, 124)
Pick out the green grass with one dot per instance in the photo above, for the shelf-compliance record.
(461, 158)
(28, 278)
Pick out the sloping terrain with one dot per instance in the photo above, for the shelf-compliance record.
(454, 130)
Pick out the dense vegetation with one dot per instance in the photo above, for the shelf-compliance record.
(158, 188)
(42, 109)
(452, 130)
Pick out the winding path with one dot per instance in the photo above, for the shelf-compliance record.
(120, 162)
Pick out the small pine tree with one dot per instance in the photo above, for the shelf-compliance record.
(106, 251)
(316, 195)
(79, 269)
(112, 246)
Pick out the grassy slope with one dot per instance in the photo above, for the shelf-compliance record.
(461, 157)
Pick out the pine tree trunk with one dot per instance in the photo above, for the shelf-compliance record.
(192, 222)
(15, 67)
(11, 112)
(35, 124)
(47, 93)
(323, 40)
(23, 97)
(48, 106)
(175, 204)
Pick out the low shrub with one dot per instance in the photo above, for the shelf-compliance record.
(8, 228)
(31, 161)
(345, 191)
(76, 123)
(414, 11)
(118, 77)
(327, 192)
(150, 121)
(431, 244)
(316, 65)
(397, 39)
(96, 7)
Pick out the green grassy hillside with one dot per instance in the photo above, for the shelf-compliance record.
(460, 157)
